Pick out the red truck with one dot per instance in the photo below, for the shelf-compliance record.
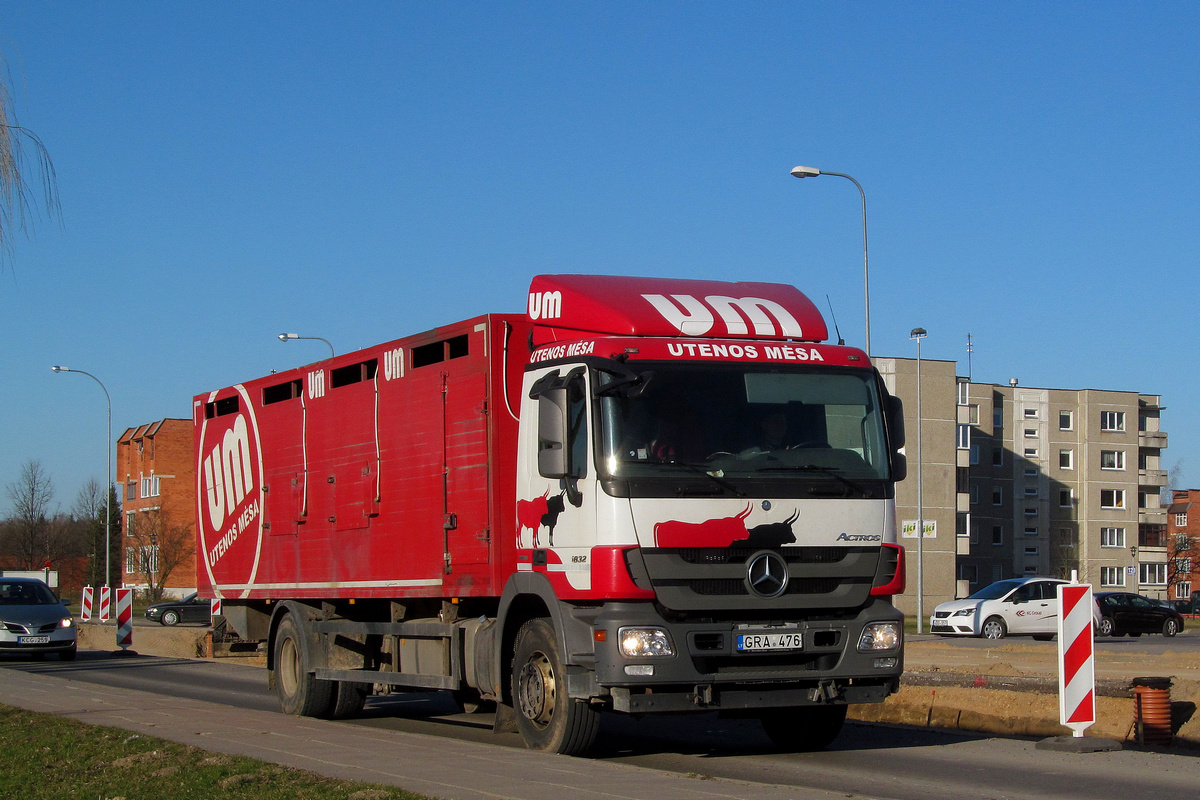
(642, 496)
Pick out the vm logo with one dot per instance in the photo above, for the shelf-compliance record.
(695, 317)
(228, 473)
(546, 305)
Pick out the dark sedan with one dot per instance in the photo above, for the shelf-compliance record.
(189, 609)
(1127, 613)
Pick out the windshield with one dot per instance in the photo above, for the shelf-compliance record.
(996, 590)
(25, 593)
(744, 421)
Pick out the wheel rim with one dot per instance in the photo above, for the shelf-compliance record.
(991, 630)
(1106, 627)
(170, 618)
(537, 690)
(289, 667)
(1170, 627)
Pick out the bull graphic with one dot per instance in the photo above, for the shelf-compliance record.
(725, 532)
(535, 513)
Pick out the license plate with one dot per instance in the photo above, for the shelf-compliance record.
(757, 642)
(33, 640)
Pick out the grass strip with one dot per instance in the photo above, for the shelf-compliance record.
(55, 758)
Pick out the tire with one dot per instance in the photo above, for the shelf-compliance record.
(1170, 628)
(350, 697)
(1135, 635)
(170, 618)
(1043, 637)
(803, 729)
(547, 718)
(300, 693)
(1107, 627)
(993, 628)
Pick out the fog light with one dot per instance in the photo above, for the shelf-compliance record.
(879, 636)
(642, 642)
(886, 663)
(640, 670)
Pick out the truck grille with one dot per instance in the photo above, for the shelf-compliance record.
(697, 579)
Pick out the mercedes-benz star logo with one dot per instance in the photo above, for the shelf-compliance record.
(766, 575)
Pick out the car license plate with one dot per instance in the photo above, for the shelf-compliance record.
(757, 642)
(33, 640)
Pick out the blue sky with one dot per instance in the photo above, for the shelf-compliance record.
(362, 171)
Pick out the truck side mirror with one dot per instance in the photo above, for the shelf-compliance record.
(895, 414)
(552, 453)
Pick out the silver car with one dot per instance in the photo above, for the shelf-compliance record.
(33, 621)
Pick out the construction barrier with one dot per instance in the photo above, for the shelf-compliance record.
(85, 605)
(124, 618)
(1076, 657)
(105, 595)
(215, 607)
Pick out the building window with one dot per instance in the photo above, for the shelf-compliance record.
(974, 495)
(964, 437)
(1182, 542)
(1152, 573)
(1112, 421)
(968, 573)
(1066, 459)
(130, 560)
(131, 490)
(1112, 537)
(1031, 433)
(129, 526)
(1031, 550)
(1183, 566)
(974, 455)
(1031, 531)
(1183, 590)
(973, 414)
(1031, 491)
(1066, 498)
(964, 395)
(1031, 472)
(1112, 576)
(997, 495)
(1181, 519)
(1066, 420)
(997, 534)
(1031, 452)
(1112, 459)
(1112, 498)
(1031, 413)
(998, 417)
(997, 456)
(1031, 511)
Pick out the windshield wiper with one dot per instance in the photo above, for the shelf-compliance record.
(716, 476)
(832, 472)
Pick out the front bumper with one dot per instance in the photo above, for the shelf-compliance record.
(58, 640)
(707, 672)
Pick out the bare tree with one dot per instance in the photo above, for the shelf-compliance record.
(15, 163)
(159, 545)
(88, 512)
(30, 526)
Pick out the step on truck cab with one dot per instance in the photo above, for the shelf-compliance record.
(642, 496)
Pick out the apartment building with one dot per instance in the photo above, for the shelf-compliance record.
(1063, 480)
(156, 467)
(1183, 537)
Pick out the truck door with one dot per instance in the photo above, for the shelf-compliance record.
(465, 452)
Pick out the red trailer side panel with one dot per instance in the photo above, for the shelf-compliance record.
(386, 472)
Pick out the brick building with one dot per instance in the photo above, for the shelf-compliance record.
(156, 467)
(1183, 534)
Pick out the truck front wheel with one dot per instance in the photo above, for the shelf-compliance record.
(547, 718)
(299, 691)
(802, 729)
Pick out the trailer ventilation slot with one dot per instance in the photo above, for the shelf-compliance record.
(282, 391)
(353, 373)
(222, 407)
(436, 352)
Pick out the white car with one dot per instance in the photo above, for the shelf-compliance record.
(1014, 607)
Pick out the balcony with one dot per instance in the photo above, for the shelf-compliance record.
(1152, 439)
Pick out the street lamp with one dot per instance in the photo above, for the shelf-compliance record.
(813, 172)
(283, 337)
(918, 334)
(108, 489)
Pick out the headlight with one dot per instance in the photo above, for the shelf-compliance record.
(641, 642)
(67, 622)
(964, 612)
(879, 636)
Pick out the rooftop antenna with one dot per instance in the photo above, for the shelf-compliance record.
(833, 317)
(970, 349)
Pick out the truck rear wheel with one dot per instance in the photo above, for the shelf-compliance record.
(299, 691)
(547, 718)
(805, 728)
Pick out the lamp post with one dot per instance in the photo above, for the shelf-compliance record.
(283, 337)
(813, 172)
(918, 334)
(108, 488)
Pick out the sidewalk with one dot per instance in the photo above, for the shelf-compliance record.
(433, 766)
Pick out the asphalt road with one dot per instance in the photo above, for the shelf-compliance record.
(866, 761)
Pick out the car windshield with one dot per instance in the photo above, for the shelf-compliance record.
(738, 422)
(995, 591)
(25, 593)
